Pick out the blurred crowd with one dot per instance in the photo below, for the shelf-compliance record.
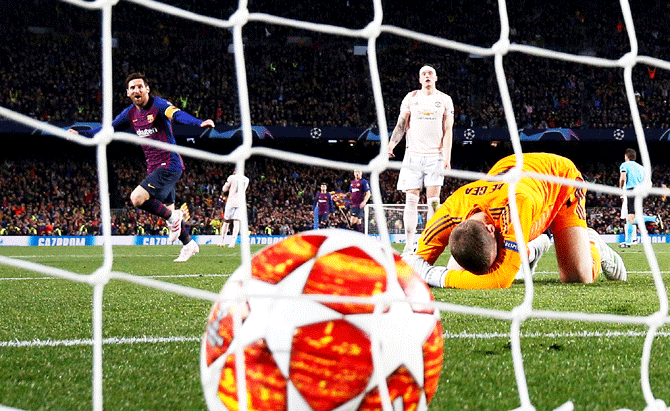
(50, 62)
(50, 69)
(63, 199)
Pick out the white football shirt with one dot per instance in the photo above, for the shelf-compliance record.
(236, 186)
(426, 116)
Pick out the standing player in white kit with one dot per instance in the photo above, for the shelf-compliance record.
(235, 185)
(427, 115)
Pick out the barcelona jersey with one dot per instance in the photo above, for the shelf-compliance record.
(324, 202)
(358, 189)
(152, 122)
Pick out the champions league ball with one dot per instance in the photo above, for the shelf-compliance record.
(306, 347)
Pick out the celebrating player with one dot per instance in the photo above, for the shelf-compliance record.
(235, 205)
(427, 115)
(475, 223)
(151, 117)
(631, 174)
(359, 192)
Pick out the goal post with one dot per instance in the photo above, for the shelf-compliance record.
(394, 220)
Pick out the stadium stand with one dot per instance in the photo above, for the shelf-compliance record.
(63, 198)
(320, 82)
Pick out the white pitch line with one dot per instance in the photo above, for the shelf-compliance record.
(188, 275)
(451, 336)
(106, 341)
(582, 334)
(148, 276)
(229, 274)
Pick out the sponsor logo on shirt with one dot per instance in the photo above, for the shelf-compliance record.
(147, 132)
(511, 245)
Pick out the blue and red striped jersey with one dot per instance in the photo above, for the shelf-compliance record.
(154, 121)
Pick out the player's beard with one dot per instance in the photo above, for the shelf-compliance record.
(139, 100)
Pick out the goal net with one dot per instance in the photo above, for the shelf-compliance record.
(393, 214)
(235, 20)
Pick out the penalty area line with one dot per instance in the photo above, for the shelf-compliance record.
(582, 334)
(47, 277)
(106, 341)
(452, 336)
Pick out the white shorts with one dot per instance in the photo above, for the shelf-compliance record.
(232, 213)
(429, 175)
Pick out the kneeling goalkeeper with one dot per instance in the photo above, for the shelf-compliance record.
(475, 222)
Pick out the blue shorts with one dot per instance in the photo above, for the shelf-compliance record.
(356, 212)
(160, 184)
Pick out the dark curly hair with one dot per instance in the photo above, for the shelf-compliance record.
(135, 76)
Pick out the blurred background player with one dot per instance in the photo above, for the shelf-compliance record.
(631, 174)
(359, 192)
(475, 223)
(427, 115)
(151, 117)
(323, 206)
(235, 205)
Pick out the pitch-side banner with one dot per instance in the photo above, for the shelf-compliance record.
(70, 241)
(74, 241)
(464, 135)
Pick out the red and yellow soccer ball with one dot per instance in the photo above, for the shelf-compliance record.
(305, 348)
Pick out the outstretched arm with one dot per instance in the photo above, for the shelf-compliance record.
(120, 122)
(454, 276)
(183, 117)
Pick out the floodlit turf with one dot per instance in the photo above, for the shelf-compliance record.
(151, 355)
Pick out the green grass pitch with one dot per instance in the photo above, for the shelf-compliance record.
(151, 354)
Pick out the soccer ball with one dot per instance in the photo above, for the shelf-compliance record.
(306, 347)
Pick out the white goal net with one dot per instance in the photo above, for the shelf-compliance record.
(382, 219)
(394, 220)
